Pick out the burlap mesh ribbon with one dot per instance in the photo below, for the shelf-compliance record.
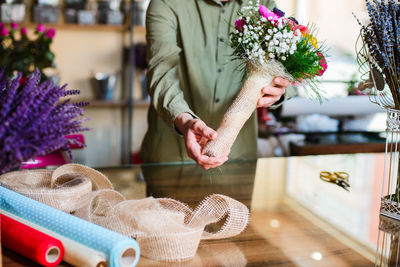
(259, 75)
(165, 229)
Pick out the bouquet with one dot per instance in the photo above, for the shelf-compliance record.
(34, 120)
(270, 45)
(379, 57)
(20, 53)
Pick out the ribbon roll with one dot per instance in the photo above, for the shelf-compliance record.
(30, 242)
(117, 249)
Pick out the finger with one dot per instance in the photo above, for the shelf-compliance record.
(282, 82)
(192, 146)
(201, 128)
(206, 160)
(210, 166)
(267, 101)
(221, 161)
(273, 91)
(203, 141)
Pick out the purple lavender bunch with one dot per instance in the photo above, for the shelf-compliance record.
(382, 38)
(34, 120)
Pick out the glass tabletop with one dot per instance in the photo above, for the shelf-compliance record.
(296, 218)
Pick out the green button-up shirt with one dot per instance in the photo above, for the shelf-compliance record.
(191, 69)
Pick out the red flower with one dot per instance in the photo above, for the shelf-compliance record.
(323, 64)
(23, 31)
(50, 33)
(239, 24)
(303, 29)
(14, 25)
(3, 31)
(40, 28)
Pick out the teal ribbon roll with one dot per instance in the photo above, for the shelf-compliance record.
(118, 250)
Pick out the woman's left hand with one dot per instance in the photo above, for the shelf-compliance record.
(271, 94)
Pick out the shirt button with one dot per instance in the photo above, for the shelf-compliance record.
(222, 11)
(219, 70)
(217, 100)
(221, 39)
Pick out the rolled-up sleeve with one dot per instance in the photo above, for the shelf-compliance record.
(163, 55)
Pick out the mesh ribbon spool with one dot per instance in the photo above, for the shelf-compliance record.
(165, 229)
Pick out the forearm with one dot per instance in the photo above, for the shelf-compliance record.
(164, 62)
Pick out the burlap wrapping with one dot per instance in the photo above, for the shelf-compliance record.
(259, 76)
(165, 229)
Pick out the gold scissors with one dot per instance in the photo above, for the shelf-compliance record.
(339, 178)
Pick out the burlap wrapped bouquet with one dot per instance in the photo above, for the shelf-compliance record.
(270, 45)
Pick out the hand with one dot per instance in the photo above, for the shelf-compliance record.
(272, 94)
(196, 134)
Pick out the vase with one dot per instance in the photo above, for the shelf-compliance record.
(54, 159)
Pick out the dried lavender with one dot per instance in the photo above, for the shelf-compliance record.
(382, 39)
(33, 119)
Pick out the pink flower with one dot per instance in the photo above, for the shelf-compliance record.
(50, 33)
(23, 31)
(322, 63)
(239, 24)
(3, 31)
(14, 25)
(268, 14)
(1, 25)
(294, 26)
(40, 28)
(303, 29)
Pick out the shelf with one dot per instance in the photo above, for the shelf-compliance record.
(94, 27)
(142, 104)
(97, 103)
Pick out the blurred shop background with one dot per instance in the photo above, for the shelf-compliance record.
(100, 49)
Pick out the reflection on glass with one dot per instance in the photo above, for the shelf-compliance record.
(317, 256)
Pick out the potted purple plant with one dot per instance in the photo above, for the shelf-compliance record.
(35, 118)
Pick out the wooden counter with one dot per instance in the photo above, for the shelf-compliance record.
(285, 229)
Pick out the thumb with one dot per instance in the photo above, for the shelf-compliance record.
(201, 128)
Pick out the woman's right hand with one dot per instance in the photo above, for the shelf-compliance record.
(196, 134)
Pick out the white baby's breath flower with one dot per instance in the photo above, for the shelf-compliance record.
(291, 52)
(271, 55)
(283, 58)
(263, 19)
(275, 29)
